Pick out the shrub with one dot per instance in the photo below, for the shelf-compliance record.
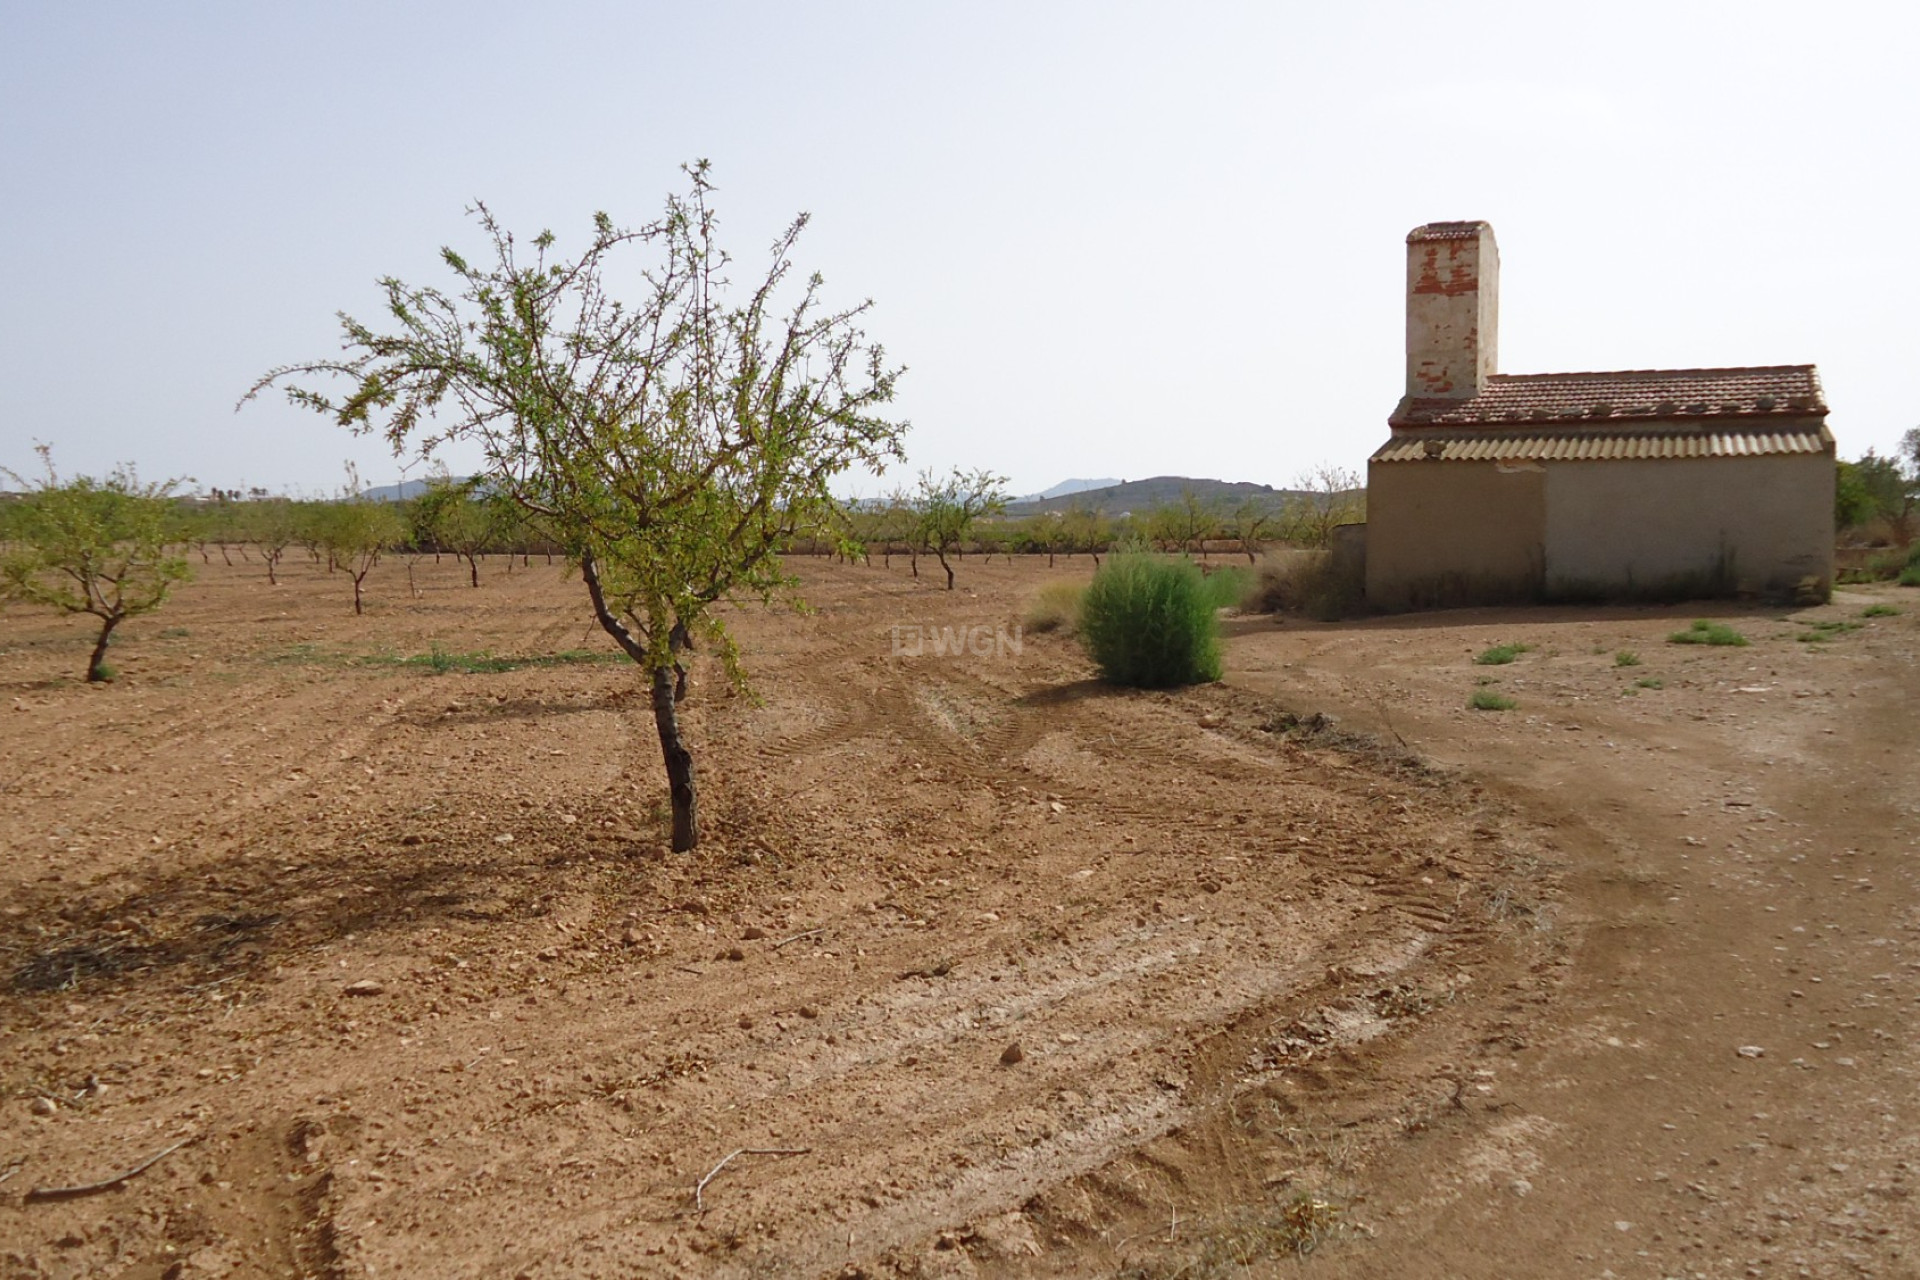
(1055, 608)
(1488, 700)
(1229, 588)
(1626, 658)
(1880, 611)
(1306, 582)
(1150, 623)
(1501, 654)
(1649, 682)
(1705, 632)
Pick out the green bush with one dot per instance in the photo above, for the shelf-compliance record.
(1488, 700)
(1626, 658)
(1150, 623)
(1704, 632)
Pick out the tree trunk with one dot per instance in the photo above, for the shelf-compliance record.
(679, 761)
(97, 664)
(473, 570)
(944, 565)
(358, 578)
(666, 720)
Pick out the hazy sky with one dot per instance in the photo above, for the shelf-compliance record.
(1106, 239)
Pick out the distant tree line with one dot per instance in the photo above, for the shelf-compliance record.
(934, 520)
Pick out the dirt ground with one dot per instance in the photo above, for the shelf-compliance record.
(990, 970)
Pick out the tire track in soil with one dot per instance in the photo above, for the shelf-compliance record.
(1161, 945)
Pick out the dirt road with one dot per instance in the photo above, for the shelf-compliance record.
(990, 970)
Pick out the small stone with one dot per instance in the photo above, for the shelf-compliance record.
(1056, 806)
(746, 1023)
(1521, 1187)
(1751, 1051)
(412, 838)
(1013, 1055)
(44, 1106)
(505, 837)
(364, 987)
(808, 1011)
(735, 953)
(549, 953)
(753, 933)
(1623, 1226)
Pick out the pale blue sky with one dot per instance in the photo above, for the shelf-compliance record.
(1107, 239)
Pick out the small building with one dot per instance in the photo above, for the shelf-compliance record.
(1647, 484)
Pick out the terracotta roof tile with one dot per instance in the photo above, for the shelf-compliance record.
(1771, 391)
(1597, 445)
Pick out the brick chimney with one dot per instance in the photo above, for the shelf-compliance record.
(1453, 309)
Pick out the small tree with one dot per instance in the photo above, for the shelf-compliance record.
(1252, 525)
(948, 507)
(92, 546)
(460, 520)
(273, 525)
(1085, 529)
(1044, 532)
(1326, 497)
(356, 533)
(671, 446)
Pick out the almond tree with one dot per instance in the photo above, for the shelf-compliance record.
(91, 546)
(949, 506)
(274, 525)
(459, 519)
(671, 445)
(356, 533)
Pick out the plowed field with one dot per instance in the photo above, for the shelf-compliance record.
(982, 967)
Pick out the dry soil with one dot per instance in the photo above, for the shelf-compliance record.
(982, 968)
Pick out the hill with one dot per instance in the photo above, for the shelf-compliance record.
(1142, 495)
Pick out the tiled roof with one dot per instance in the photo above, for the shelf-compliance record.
(1445, 231)
(1772, 391)
(1594, 445)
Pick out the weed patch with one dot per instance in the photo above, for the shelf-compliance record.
(1488, 700)
(1880, 611)
(1705, 632)
(1819, 632)
(1233, 1247)
(1649, 682)
(1501, 654)
(1626, 658)
(1056, 607)
(440, 663)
